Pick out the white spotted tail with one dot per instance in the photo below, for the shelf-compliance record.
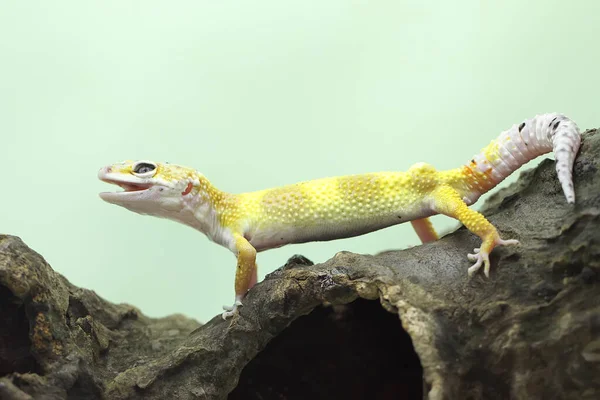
(530, 139)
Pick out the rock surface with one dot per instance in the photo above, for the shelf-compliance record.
(401, 324)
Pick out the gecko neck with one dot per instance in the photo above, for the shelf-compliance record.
(204, 207)
(205, 192)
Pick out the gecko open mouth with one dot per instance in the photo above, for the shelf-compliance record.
(130, 191)
(129, 187)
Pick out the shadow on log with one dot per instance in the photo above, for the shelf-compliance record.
(398, 325)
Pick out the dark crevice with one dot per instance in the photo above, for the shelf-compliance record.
(15, 353)
(77, 309)
(85, 387)
(355, 351)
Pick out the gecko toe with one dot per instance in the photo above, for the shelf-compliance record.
(486, 268)
(481, 259)
(475, 267)
(508, 242)
(230, 311)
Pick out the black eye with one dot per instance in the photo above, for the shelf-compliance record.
(142, 168)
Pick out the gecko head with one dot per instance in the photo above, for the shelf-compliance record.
(148, 187)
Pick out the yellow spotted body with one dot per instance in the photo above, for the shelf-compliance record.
(328, 208)
(339, 207)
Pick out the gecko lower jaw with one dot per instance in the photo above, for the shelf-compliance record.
(129, 190)
(121, 194)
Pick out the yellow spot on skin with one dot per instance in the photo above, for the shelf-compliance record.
(126, 168)
(491, 151)
(289, 202)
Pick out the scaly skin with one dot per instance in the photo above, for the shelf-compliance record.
(339, 207)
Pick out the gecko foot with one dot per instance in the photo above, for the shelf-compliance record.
(482, 257)
(230, 311)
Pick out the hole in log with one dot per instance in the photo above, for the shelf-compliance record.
(355, 351)
(15, 354)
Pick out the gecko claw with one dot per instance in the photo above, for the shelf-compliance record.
(230, 311)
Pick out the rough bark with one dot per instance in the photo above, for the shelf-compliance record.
(400, 324)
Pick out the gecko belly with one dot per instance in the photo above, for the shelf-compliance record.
(322, 230)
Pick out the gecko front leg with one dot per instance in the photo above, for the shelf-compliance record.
(245, 274)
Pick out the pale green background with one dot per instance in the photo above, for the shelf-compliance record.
(257, 94)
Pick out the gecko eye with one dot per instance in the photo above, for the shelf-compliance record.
(143, 168)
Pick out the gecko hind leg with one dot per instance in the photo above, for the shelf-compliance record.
(448, 202)
(425, 230)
